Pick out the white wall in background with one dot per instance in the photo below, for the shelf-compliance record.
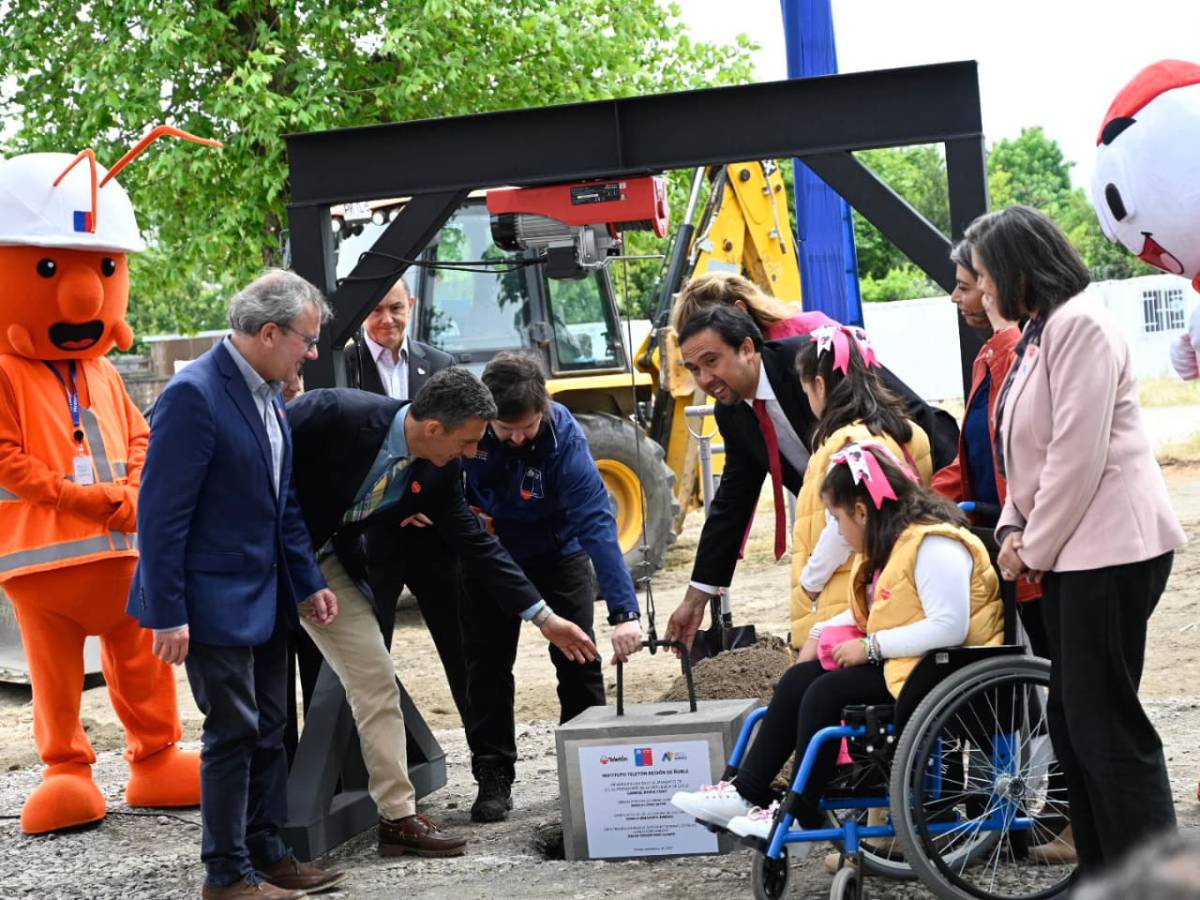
(918, 339)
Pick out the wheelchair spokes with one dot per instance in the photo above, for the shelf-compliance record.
(985, 787)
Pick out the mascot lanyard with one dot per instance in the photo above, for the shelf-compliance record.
(83, 462)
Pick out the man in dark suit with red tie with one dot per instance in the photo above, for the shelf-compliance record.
(766, 425)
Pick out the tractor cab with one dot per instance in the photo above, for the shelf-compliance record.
(489, 282)
(476, 298)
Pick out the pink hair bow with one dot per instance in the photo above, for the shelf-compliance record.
(864, 467)
(838, 338)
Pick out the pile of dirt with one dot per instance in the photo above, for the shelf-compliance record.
(734, 674)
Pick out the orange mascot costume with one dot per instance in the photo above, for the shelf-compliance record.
(71, 451)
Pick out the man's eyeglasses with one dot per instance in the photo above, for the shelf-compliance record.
(308, 339)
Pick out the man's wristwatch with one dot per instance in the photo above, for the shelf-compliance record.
(540, 617)
(626, 615)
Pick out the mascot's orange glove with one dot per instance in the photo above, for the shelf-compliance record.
(125, 518)
(97, 502)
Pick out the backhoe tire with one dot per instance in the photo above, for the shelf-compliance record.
(628, 460)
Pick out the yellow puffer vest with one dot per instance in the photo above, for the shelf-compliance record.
(897, 602)
(810, 521)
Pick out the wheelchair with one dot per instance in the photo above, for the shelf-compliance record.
(963, 768)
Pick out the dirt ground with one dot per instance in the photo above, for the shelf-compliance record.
(135, 856)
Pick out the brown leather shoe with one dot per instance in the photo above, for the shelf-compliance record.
(248, 890)
(419, 835)
(291, 874)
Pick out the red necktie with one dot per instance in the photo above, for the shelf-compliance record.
(772, 442)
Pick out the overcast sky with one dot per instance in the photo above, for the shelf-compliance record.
(1054, 63)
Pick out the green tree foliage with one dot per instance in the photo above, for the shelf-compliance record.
(1038, 174)
(1029, 169)
(250, 71)
(918, 174)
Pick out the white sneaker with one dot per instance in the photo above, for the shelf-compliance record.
(756, 823)
(713, 803)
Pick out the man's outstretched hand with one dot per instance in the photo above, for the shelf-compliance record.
(569, 638)
(687, 618)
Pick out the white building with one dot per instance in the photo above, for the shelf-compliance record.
(917, 339)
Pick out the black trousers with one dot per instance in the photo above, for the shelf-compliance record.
(1111, 755)
(417, 558)
(807, 698)
(490, 638)
(243, 767)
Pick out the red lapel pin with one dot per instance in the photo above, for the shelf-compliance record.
(416, 487)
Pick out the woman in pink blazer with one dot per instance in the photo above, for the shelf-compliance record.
(1087, 514)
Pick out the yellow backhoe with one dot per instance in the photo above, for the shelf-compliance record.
(633, 415)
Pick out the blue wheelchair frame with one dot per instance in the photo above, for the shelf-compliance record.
(1003, 816)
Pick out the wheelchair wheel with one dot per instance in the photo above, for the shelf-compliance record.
(770, 878)
(975, 782)
(845, 885)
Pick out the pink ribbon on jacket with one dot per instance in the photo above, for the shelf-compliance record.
(838, 338)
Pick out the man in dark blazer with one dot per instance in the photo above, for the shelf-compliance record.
(726, 355)
(225, 561)
(368, 461)
(387, 360)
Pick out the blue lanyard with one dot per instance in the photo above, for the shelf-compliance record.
(72, 397)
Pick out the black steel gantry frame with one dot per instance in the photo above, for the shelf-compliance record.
(438, 162)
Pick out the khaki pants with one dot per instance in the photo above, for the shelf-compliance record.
(353, 646)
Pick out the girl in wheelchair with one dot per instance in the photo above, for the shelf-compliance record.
(837, 374)
(921, 582)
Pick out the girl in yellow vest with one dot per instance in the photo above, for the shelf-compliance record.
(838, 374)
(923, 582)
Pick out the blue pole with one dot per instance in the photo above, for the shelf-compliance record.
(824, 225)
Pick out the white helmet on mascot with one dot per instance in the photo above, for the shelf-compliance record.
(46, 200)
(1146, 187)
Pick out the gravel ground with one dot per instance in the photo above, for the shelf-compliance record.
(148, 855)
(136, 855)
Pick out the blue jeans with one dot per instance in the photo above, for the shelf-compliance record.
(243, 768)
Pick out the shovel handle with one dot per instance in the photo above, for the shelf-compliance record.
(684, 659)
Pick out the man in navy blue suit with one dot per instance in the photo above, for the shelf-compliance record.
(225, 562)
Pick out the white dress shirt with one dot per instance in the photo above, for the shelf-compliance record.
(393, 372)
(263, 392)
(791, 448)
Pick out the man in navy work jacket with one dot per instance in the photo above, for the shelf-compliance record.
(365, 461)
(225, 562)
(534, 476)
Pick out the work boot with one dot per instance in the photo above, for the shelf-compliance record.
(418, 835)
(292, 875)
(495, 796)
(248, 889)
(887, 848)
(1059, 851)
